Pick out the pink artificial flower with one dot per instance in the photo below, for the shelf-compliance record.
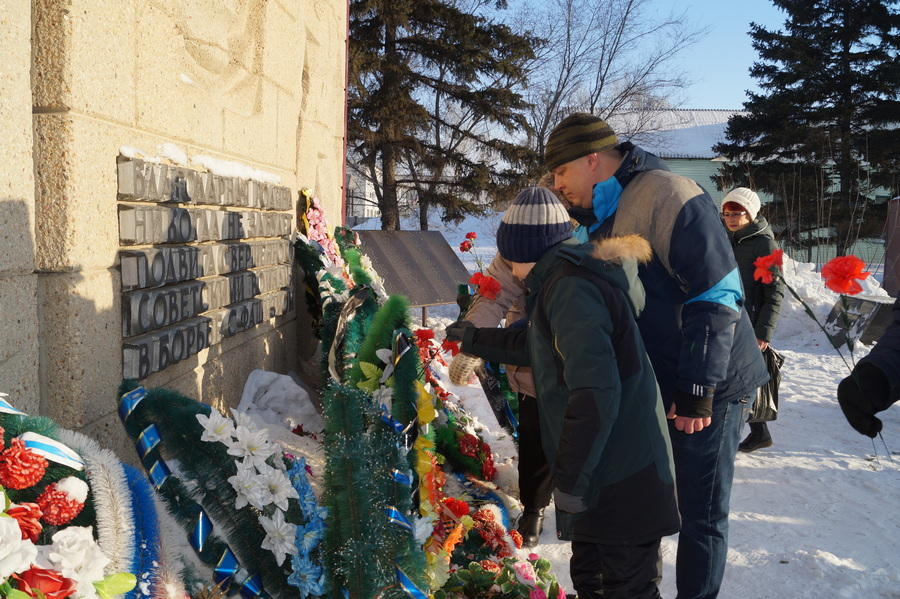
(537, 593)
(525, 573)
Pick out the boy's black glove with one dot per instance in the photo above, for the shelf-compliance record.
(861, 395)
(455, 330)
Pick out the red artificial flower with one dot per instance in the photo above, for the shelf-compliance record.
(451, 346)
(1, 437)
(468, 445)
(471, 236)
(424, 334)
(459, 507)
(488, 287)
(59, 508)
(465, 246)
(490, 566)
(50, 583)
(764, 266)
(20, 467)
(488, 471)
(841, 274)
(484, 515)
(28, 515)
(516, 537)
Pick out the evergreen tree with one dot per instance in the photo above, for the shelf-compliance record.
(431, 102)
(822, 129)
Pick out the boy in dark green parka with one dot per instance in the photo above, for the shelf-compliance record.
(602, 420)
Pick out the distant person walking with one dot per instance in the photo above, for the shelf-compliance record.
(751, 238)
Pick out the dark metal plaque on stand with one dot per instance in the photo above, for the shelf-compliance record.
(420, 265)
(863, 312)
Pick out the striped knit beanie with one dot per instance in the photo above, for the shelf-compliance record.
(535, 222)
(578, 135)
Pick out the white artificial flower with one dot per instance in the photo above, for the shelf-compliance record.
(253, 446)
(243, 419)
(384, 397)
(278, 486)
(423, 527)
(16, 554)
(386, 355)
(216, 427)
(280, 536)
(78, 557)
(248, 488)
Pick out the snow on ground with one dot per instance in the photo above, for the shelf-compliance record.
(814, 516)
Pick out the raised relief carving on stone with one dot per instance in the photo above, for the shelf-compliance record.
(223, 39)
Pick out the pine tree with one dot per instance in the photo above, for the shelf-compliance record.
(822, 128)
(430, 105)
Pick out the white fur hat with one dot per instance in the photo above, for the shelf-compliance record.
(746, 198)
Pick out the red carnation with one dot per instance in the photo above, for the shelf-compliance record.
(841, 274)
(471, 236)
(59, 501)
(28, 515)
(465, 246)
(424, 334)
(489, 287)
(764, 266)
(50, 583)
(459, 507)
(20, 467)
(451, 346)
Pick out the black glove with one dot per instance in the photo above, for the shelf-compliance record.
(566, 502)
(861, 395)
(692, 406)
(455, 330)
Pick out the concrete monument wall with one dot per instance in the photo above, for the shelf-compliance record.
(94, 91)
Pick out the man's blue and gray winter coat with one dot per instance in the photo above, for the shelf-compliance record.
(700, 341)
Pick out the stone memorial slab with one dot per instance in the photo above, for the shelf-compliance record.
(420, 265)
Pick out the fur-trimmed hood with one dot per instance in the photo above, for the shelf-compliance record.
(617, 249)
(616, 259)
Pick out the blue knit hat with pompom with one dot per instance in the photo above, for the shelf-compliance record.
(535, 222)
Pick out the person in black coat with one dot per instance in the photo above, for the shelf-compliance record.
(751, 237)
(874, 384)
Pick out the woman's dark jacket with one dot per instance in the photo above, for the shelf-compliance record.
(761, 300)
(602, 421)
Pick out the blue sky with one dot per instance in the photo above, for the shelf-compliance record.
(720, 63)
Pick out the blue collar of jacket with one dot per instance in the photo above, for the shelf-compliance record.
(606, 193)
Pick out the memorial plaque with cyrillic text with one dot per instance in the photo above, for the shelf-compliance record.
(203, 257)
(417, 264)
